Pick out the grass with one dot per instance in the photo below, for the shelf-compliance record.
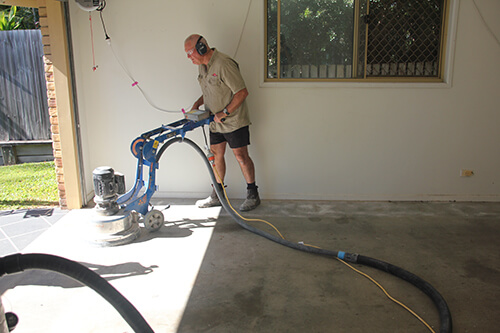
(28, 185)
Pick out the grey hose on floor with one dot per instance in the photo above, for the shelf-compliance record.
(428, 289)
(20, 262)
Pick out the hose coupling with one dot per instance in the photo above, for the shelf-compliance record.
(349, 257)
(211, 158)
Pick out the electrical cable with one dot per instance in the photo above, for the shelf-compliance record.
(242, 29)
(350, 266)
(20, 262)
(342, 261)
(485, 23)
(205, 136)
(424, 286)
(229, 203)
(239, 215)
(100, 9)
(135, 83)
(388, 295)
(101, 6)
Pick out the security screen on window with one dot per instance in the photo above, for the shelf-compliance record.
(350, 39)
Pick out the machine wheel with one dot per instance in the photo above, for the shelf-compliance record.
(153, 220)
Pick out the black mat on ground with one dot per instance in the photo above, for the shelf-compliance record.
(39, 212)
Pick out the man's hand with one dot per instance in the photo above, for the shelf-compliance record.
(219, 117)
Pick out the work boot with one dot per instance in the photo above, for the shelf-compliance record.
(211, 201)
(252, 200)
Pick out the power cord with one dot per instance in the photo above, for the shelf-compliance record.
(135, 83)
(342, 261)
(242, 29)
(485, 23)
(445, 320)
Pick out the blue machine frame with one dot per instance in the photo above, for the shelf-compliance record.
(144, 148)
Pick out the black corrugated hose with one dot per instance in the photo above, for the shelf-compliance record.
(20, 262)
(429, 290)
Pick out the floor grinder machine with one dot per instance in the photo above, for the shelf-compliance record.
(117, 213)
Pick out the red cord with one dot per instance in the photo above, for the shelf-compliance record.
(94, 67)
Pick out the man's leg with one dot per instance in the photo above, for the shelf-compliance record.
(248, 170)
(246, 163)
(220, 171)
(220, 163)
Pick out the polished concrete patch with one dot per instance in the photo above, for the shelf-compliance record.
(203, 273)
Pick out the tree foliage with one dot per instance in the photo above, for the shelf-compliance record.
(404, 31)
(319, 31)
(312, 31)
(12, 18)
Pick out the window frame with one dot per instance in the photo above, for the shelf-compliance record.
(447, 44)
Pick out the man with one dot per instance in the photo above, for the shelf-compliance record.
(224, 94)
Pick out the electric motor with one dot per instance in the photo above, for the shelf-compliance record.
(107, 186)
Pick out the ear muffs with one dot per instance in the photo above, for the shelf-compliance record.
(201, 48)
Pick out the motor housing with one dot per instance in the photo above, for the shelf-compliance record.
(107, 186)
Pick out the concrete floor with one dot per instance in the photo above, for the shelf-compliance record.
(203, 273)
(19, 228)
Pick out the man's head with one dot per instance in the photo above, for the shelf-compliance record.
(197, 49)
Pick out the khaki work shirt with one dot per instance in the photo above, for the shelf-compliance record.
(220, 80)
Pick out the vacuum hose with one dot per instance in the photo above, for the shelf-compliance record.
(19, 262)
(429, 290)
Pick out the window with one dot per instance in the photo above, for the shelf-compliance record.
(355, 40)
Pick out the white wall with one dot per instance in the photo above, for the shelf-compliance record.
(319, 141)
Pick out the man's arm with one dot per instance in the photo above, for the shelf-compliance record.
(235, 103)
(199, 102)
(237, 100)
